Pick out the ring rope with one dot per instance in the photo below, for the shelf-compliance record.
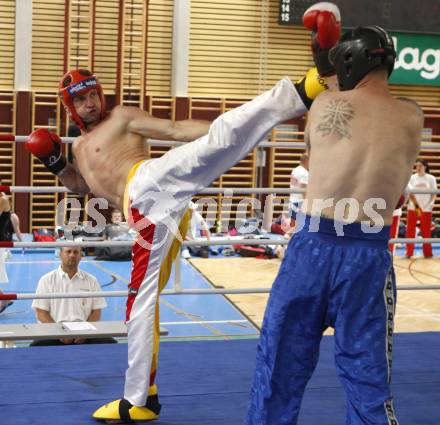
(171, 143)
(223, 241)
(119, 294)
(228, 191)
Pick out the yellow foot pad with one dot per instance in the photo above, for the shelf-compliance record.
(123, 412)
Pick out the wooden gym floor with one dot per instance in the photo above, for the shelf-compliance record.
(417, 310)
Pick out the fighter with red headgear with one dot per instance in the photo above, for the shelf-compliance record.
(112, 161)
(83, 97)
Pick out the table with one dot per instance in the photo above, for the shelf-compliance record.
(35, 331)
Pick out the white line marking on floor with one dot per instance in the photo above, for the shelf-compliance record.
(202, 322)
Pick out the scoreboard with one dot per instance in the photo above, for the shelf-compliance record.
(418, 16)
(291, 11)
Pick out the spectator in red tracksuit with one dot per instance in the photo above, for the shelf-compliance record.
(420, 207)
(394, 231)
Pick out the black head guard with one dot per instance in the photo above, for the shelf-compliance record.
(359, 52)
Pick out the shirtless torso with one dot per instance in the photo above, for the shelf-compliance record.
(104, 156)
(350, 157)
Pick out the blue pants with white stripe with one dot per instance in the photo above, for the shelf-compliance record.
(345, 282)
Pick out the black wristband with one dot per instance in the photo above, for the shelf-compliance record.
(55, 164)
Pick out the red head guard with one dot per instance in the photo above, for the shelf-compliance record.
(76, 83)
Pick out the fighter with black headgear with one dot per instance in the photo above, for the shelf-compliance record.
(337, 271)
(359, 52)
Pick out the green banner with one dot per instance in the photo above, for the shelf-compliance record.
(418, 59)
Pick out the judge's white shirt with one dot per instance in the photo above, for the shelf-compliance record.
(68, 309)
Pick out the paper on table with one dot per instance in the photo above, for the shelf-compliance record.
(78, 326)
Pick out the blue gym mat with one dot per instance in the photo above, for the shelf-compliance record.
(200, 383)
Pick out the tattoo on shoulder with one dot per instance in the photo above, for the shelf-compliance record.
(335, 119)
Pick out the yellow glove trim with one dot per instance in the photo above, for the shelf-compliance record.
(310, 86)
(314, 83)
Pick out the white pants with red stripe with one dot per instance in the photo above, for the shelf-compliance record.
(158, 195)
(142, 309)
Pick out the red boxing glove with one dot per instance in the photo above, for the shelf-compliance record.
(46, 146)
(324, 19)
